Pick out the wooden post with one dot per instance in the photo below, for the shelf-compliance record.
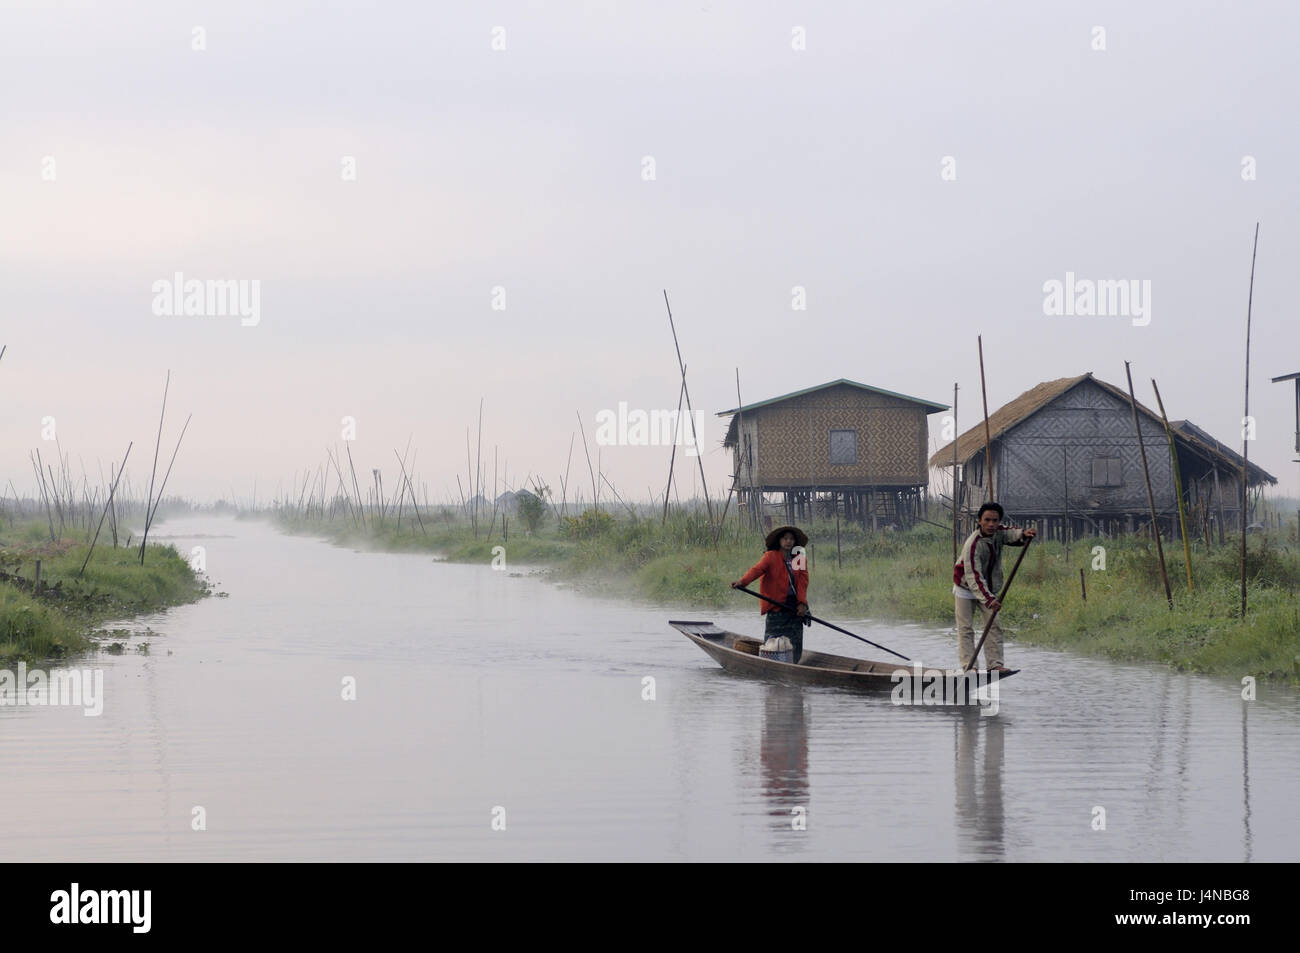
(1178, 486)
(36, 586)
(1151, 498)
(1083, 586)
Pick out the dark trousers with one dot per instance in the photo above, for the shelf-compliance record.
(781, 623)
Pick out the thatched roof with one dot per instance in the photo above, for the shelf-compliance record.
(1007, 416)
(1031, 401)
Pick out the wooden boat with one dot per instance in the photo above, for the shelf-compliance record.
(739, 654)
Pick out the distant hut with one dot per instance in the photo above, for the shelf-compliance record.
(838, 447)
(1065, 452)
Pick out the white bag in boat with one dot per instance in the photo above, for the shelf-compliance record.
(778, 648)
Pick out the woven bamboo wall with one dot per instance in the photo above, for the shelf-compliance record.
(1080, 425)
(891, 439)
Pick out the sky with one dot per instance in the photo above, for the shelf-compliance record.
(443, 204)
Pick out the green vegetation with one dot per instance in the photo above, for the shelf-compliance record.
(907, 576)
(58, 621)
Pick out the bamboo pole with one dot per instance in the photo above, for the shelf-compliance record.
(40, 478)
(744, 458)
(956, 533)
(356, 487)
(90, 552)
(690, 413)
(564, 488)
(988, 440)
(410, 489)
(163, 486)
(478, 467)
(1178, 486)
(1065, 489)
(154, 472)
(1245, 442)
(595, 493)
(672, 457)
(1151, 499)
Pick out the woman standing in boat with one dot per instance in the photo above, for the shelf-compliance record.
(785, 581)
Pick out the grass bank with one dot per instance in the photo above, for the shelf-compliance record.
(60, 619)
(906, 576)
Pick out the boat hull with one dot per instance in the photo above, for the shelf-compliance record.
(813, 668)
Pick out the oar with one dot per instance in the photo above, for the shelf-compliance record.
(1006, 586)
(757, 595)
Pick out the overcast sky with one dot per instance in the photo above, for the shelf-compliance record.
(129, 155)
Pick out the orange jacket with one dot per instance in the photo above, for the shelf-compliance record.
(776, 583)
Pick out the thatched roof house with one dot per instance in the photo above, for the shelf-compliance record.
(1068, 448)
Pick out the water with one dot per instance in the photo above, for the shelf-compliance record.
(482, 694)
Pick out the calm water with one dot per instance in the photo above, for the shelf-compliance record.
(479, 690)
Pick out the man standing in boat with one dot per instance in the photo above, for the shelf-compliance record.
(977, 579)
(785, 581)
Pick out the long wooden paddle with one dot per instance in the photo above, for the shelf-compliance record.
(828, 625)
(1006, 586)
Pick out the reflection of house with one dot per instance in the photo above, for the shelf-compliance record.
(841, 444)
(1069, 446)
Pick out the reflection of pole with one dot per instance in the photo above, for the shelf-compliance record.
(1245, 779)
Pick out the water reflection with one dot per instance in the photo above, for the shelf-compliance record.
(978, 783)
(784, 755)
(1245, 782)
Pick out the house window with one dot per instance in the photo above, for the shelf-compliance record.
(1107, 471)
(844, 447)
